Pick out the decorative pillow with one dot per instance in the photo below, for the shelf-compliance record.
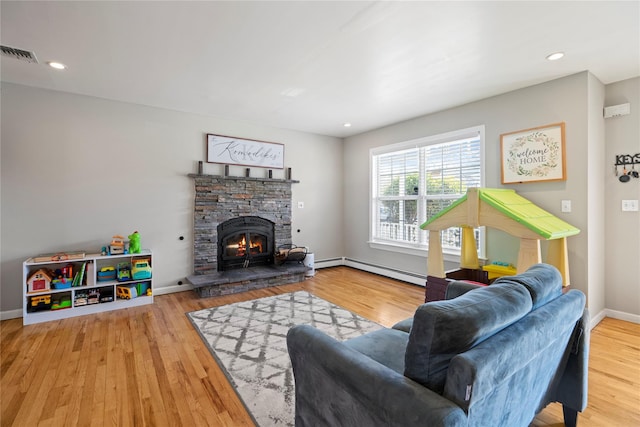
(543, 281)
(443, 329)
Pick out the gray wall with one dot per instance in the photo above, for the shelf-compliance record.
(622, 229)
(76, 170)
(563, 100)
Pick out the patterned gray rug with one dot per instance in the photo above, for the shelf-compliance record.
(248, 339)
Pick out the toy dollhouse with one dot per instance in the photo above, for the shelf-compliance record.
(504, 210)
(39, 280)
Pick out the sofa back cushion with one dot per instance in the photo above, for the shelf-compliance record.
(443, 329)
(543, 281)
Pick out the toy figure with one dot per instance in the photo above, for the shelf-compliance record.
(117, 245)
(134, 243)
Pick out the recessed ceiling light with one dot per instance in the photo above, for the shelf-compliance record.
(347, 125)
(57, 65)
(555, 56)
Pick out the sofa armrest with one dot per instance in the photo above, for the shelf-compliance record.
(573, 388)
(404, 325)
(338, 386)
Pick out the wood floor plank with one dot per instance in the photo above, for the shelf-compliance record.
(147, 366)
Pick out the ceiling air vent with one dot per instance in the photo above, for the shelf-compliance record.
(22, 55)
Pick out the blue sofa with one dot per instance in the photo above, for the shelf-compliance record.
(492, 356)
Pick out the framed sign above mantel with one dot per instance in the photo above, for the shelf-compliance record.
(532, 155)
(245, 152)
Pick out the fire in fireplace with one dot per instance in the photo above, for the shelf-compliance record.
(255, 246)
(244, 242)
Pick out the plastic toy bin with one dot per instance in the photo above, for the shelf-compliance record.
(61, 284)
(496, 271)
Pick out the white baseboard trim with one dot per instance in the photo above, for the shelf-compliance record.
(334, 262)
(10, 314)
(404, 276)
(172, 289)
(614, 314)
(413, 278)
(621, 315)
(597, 319)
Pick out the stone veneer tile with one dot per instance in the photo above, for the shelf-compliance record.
(219, 198)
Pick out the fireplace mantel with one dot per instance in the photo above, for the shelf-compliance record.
(219, 198)
(243, 178)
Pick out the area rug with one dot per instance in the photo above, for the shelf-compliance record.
(248, 339)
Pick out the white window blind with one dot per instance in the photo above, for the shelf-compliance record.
(413, 181)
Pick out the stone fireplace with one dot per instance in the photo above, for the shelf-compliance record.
(237, 208)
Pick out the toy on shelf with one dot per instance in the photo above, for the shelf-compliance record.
(61, 283)
(143, 288)
(58, 256)
(66, 271)
(40, 280)
(80, 279)
(106, 294)
(63, 277)
(80, 299)
(94, 296)
(134, 243)
(117, 245)
(61, 301)
(40, 302)
(140, 269)
(124, 272)
(126, 291)
(106, 273)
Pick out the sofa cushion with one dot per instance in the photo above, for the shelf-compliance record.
(543, 281)
(455, 288)
(443, 329)
(385, 346)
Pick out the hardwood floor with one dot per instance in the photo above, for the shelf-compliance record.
(148, 366)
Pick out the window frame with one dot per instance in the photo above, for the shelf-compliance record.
(421, 247)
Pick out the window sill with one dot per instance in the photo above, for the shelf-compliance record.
(417, 251)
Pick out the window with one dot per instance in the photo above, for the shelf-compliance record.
(413, 181)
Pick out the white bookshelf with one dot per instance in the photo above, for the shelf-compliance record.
(94, 263)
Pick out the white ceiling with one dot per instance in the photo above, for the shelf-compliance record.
(311, 66)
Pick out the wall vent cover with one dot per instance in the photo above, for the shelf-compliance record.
(22, 55)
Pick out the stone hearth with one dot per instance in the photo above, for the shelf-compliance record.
(246, 279)
(219, 198)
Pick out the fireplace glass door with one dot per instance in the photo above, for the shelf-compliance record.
(245, 242)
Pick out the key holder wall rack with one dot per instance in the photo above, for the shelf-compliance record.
(625, 160)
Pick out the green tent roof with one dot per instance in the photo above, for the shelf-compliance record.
(520, 210)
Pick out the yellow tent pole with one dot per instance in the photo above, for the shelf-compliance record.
(557, 256)
(435, 260)
(468, 251)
